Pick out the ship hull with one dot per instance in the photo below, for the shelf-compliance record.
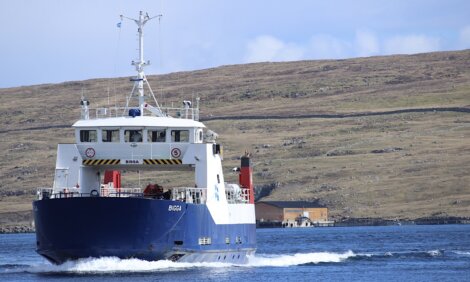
(142, 228)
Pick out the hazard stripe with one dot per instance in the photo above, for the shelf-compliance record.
(146, 161)
(162, 161)
(101, 162)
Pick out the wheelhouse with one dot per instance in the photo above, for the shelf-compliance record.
(109, 134)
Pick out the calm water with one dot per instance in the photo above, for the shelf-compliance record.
(393, 253)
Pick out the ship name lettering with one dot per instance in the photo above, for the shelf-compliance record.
(174, 208)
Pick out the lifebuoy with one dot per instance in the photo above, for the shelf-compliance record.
(94, 193)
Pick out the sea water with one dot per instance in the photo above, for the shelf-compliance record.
(391, 253)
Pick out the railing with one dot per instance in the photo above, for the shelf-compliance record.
(73, 192)
(233, 193)
(237, 195)
(49, 193)
(120, 192)
(186, 113)
(189, 195)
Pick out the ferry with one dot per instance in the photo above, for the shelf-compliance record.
(87, 213)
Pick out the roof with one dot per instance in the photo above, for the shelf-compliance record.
(293, 204)
(139, 121)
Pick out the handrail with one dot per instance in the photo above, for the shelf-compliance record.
(237, 195)
(189, 195)
(119, 192)
(234, 194)
(74, 192)
(104, 112)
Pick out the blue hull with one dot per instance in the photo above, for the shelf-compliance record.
(149, 229)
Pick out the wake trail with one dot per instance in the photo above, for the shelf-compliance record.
(116, 265)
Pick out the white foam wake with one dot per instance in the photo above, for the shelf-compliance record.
(113, 264)
(434, 253)
(298, 259)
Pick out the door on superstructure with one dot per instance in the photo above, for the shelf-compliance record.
(61, 179)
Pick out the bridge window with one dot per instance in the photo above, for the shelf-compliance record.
(180, 136)
(88, 136)
(158, 135)
(110, 135)
(133, 135)
(200, 135)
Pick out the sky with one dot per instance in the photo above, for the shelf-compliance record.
(52, 41)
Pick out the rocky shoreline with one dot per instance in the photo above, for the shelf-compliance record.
(16, 229)
(349, 222)
(353, 222)
(418, 221)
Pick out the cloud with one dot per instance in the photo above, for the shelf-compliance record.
(410, 44)
(323, 46)
(267, 48)
(464, 37)
(327, 47)
(366, 44)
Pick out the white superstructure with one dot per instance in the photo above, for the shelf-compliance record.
(149, 137)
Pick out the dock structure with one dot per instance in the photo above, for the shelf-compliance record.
(291, 214)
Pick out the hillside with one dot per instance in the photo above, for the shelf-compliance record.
(404, 165)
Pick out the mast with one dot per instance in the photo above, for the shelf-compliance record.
(141, 63)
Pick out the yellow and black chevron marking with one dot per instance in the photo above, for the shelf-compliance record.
(101, 162)
(162, 162)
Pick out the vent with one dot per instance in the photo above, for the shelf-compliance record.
(205, 241)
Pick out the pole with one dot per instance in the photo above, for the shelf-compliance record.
(140, 64)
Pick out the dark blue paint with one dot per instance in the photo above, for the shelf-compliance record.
(73, 228)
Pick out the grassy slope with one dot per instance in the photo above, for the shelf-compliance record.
(329, 159)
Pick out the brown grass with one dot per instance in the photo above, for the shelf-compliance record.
(326, 159)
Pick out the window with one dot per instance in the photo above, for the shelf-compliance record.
(200, 135)
(205, 241)
(180, 136)
(293, 210)
(88, 136)
(110, 135)
(158, 135)
(133, 135)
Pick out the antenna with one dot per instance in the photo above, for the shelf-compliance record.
(140, 64)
